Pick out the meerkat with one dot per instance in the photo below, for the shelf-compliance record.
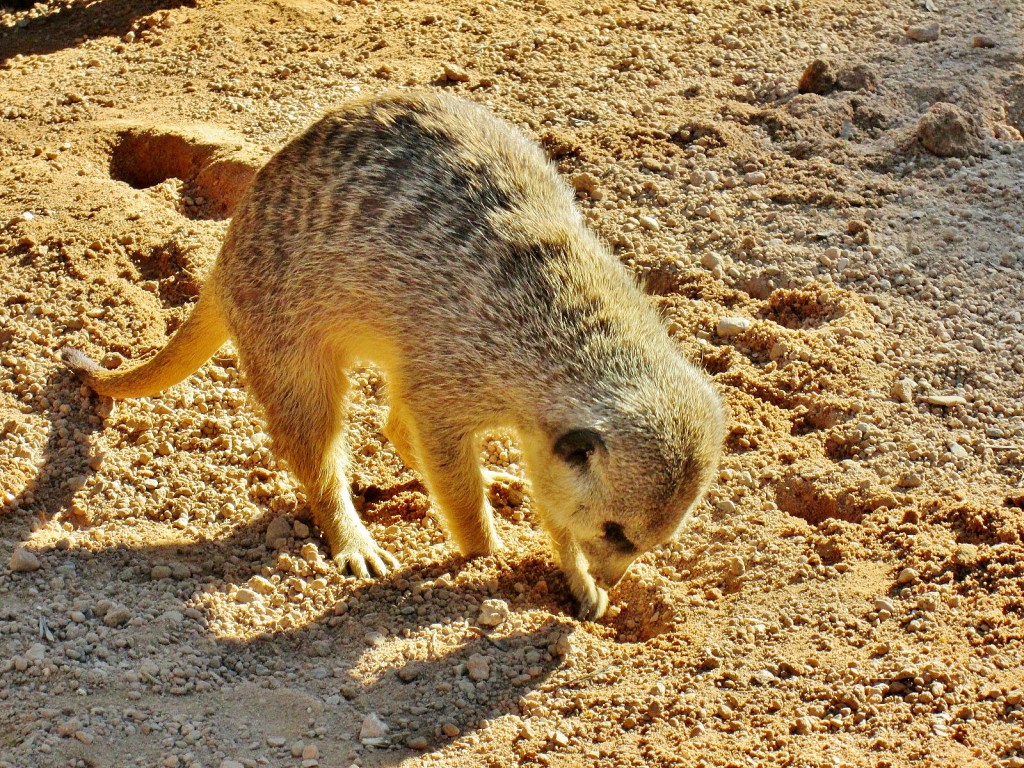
(424, 234)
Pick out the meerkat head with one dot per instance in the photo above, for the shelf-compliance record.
(621, 474)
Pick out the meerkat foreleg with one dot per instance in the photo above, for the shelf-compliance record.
(592, 599)
(454, 477)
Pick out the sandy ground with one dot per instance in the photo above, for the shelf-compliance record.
(850, 592)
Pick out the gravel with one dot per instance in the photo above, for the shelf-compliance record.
(854, 577)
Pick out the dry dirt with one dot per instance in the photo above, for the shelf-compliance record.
(850, 592)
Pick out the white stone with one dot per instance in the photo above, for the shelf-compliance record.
(493, 612)
(373, 727)
(277, 532)
(947, 401)
(732, 326)
(23, 560)
(478, 667)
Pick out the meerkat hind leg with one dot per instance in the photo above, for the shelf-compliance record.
(305, 418)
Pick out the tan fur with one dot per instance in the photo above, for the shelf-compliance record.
(422, 233)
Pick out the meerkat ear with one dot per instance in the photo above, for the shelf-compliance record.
(576, 447)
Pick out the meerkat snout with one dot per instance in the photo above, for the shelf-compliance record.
(420, 232)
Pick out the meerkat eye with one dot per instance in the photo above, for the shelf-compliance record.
(576, 447)
(615, 535)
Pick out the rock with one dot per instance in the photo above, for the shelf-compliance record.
(245, 596)
(983, 41)
(455, 74)
(755, 178)
(301, 529)
(276, 741)
(958, 451)
(762, 677)
(310, 752)
(859, 77)
(278, 532)
(733, 326)
(929, 601)
(310, 553)
(160, 572)
(907, 575)
(450, 730)
(588, 184)
(36, 652)
(231, 764)
(261, 585)
(409, 672)
(884, 604)
(903, 390)
(946, 401)
(418, 742)
(478, 667)
(712, 261)
(116, 616)
(946, 130)
(23, 561)
(910, 480)
(493, 612)
(923, 33)
(819, 77)
(562, 646)
(649, 223)
(373, 727)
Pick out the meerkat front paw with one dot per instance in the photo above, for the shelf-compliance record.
(364, 558)
(592, 599)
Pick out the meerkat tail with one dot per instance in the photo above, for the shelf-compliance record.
(195, 341)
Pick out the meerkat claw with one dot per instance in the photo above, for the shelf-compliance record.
(366, 562)
(593, 602)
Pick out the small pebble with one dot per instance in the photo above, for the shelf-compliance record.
(732, 326)
(923, 33)
(649, 223)
(910, 480)
(301, 529)
(493, 612)
(902, 390)
(277, 533)
(245, 596)
(907, 575)
(276, 741)
(23, 561)
(160, 572)
(455, 74)
(478, 667)
(983, 41)
(373, 727)
(946, 401)
(418, 742)
(117, 616)
(261, 585)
